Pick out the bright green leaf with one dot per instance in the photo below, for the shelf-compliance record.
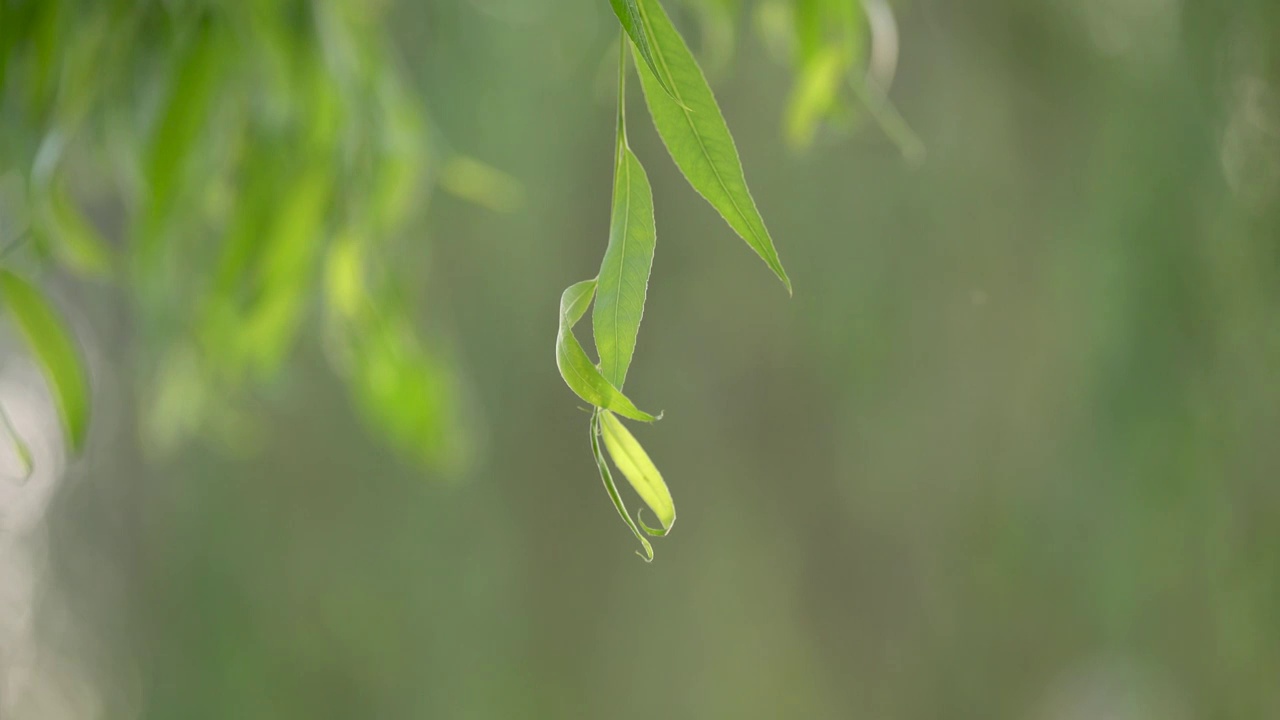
(624, 273)
(55, 350)
(635, 465)
(697, 137)
(344, 275)
(607, 478)
(579, 373)
(632, 16)
(816, 91)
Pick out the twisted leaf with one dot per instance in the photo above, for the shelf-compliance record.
(576, 368)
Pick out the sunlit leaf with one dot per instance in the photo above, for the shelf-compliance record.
(607, 478)
(54, 349)
(634, 464)
(344, 275)
(579, 373)
(407, 392)
(697, 137)
(815, 93)
(624, 273)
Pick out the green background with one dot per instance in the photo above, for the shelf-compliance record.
(1009, 452)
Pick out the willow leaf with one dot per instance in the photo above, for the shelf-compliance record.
(579, 373)
(631, 16)
(624, 273)
(55, 351)
(696, 135)
(607, 478)
(639, 470)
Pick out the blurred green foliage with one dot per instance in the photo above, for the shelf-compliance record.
(1008, 453)
(254, 149)
(265, 154)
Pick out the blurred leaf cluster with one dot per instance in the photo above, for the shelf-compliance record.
(843, 55)
(264, 154)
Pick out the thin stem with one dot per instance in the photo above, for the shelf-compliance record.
(891, 122)
(19, 445)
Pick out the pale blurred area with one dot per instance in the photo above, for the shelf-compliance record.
(1011, 451)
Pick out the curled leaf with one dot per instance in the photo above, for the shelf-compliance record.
(579, 373)
(634, 464)
(612, 489)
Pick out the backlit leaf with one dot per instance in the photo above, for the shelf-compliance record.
(579, 373)
(639, 470)
(815, 93)
(612, 488)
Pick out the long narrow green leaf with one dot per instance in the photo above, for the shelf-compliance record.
(639, 470)
(576, 368)
(55, 350)
(631, 17)
(624, 273)
(696, 135)
(607, 478)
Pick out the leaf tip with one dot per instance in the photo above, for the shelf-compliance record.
(666, 528)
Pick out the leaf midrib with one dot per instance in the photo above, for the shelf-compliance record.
(624, 161)
(657, 51)
(622, 447)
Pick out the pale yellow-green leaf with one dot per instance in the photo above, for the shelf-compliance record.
(607, 478)
(634, 464)
(579, 373)
(481, 184)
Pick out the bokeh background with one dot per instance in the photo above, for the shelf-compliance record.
(1010, 451)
